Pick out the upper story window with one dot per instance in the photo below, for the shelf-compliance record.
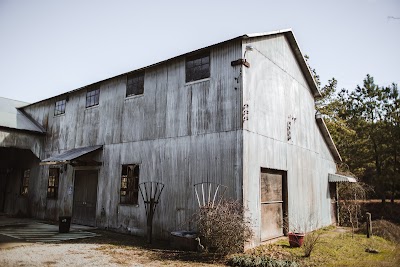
(25, 182)
(92, 97)
(135, 84)
(198, 67)
(52, 185)
(130, 184)
(60, 107)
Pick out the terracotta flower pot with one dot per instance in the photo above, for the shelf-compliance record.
(296, 239)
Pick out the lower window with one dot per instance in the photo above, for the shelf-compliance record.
(52, 185)
(130, 184)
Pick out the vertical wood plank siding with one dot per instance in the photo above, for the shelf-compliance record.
(180, 133)
(276, 91)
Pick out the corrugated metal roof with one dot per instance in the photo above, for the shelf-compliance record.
(261, 34)
(337, 178)
(328, 138)
(68, 155)
(287, 32)
(12, 117)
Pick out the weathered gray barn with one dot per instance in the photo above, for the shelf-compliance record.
(238, 113)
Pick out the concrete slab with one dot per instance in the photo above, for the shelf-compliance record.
(17, 231)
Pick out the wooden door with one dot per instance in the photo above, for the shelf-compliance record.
(273, 206)
(85, 198)
(333, 195)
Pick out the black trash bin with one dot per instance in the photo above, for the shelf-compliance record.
(64, 223)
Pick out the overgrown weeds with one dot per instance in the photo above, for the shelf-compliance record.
(310, 241)
(385, 229)
(224, 228)
(307, 227)
(245, 260)
(350, 208)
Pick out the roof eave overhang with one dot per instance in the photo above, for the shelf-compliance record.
(303, 64)
(41, 133)
(287, 32)
(138, 70)
(327, 137)
(298, 54)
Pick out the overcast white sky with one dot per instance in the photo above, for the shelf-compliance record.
(48, 47)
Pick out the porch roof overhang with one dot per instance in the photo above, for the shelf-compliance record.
(337, 178)
(67, 156)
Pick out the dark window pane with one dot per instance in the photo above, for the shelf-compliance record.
(52, 186)
(92, 97)
(197, 67)
(60, 107)
(124, 169)
(129, 184)
(135, 84)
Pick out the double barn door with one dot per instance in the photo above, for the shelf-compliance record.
(85, 197)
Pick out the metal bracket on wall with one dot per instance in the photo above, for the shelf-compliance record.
(245, 112)
(291, 119)
(240, 61)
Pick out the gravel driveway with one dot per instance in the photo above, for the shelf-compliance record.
(37, 254)
(103, 248)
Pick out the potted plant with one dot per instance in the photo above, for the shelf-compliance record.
(294, 232)
(296, 239)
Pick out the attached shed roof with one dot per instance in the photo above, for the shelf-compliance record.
(14, 118)
(337, 178)
(69, 155)
(288, 33)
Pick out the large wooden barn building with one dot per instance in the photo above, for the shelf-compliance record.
(238, 113)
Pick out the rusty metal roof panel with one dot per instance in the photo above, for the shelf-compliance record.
(14, 118)
(69, 155)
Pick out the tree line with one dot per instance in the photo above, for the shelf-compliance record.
(365, 126)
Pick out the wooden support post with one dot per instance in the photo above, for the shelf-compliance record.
(150, 221)
(337, 204)
(369, 225)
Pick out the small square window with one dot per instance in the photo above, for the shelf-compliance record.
(135, 84)
(60, 107)
(25, 182)
(92, 97)
(129, 184)
(198, 67)
(52, 185)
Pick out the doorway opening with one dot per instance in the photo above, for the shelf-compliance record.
(273, 203)
(85, 197)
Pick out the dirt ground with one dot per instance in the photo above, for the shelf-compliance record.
(106, 249)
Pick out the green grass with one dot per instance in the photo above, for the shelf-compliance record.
(336, 248)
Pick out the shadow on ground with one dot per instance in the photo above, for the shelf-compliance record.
(118, 245)
(159, 250)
